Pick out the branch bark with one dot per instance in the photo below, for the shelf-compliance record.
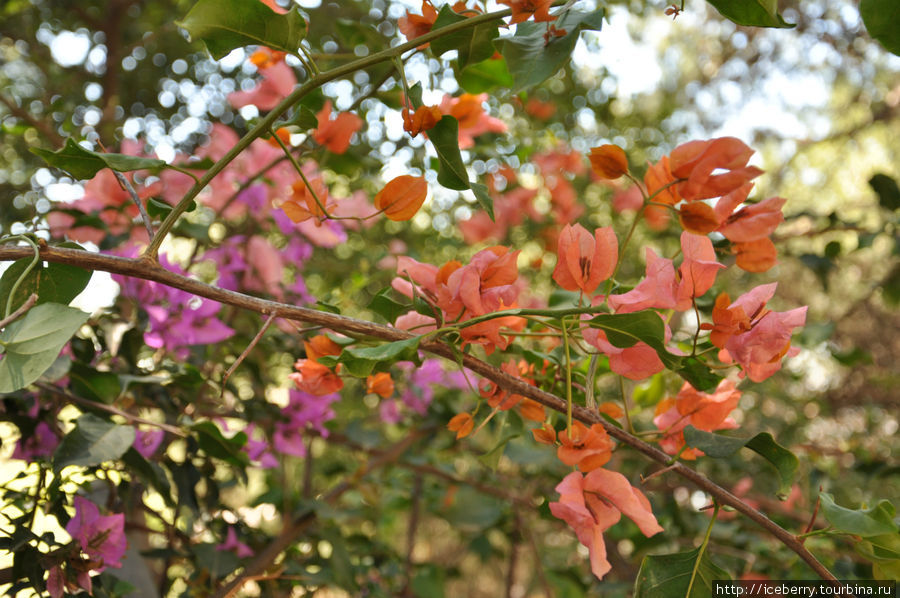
(147, 269)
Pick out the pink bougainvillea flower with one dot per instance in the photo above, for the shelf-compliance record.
(473, 120)
(753, 336)
(102, 537)
(697, 161)
(147, 441)
(750, 223)
(583, 261)
(278, 80)
(335, 134)
(656, 290)
(593, 503)
(232, 543)
(704, 411)
(697, 271)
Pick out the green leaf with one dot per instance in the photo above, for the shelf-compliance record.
(224, 25)
(386, 307)
(103, 387)
(473, 44)
(698, 374)
(452, 173)
(361, 362)
(626, 330)
(32, 343)
(215, 444)
(532, 60)
(886, 188)
(669, 575)
(753, 13)
(84, 164)
(150, 473)
(718, 446)
(92, 442)
(53, 283)
(303, 117)
(881, 18)
(873, 521)
(445, 138)
(484, 76)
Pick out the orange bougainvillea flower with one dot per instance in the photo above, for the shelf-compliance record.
(402, 197)
(696, 161)
(462, 424)
(413, 26)
(702, 410)
(540, 109)
(586, 448)
(335, 134)
(756, 256)
(423, 119)
(380, 384)
(698, 218)
(532, 410)
(283, 134)
(608, 161)
(265, 57)
(319, 346)
(315, 378)
(522, 10)
(302, 204)
(545, 434)
(584, 261)
(660, 183)
(611, 409)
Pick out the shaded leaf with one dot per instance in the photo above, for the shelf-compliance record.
(881, 18)
(753, 13)
(215, 444)
(873, 521)
(84, 164)
(473, 44)
(92, 442)
(224, 25)
(886, 187)
(386, 307)
(484, 76)
(445, 138)
(532, 60)
(361, 362)
(718, 446)
(32, 343)
(53, 283)
(669, 576)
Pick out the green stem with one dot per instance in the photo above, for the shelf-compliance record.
(625, 404)
(24, 274)
(565, 337)
(299, 170)
(318, 80)
(703, 546)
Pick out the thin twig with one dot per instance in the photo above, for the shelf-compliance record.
(29, 303)
(127, 186)
(135, 419)
(246, 352)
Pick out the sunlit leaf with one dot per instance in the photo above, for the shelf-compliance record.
(92, 442)
(532, 59)
(361, 362)
(882, 20)
(753, 13)
(473, 44)
(84, 164)
(31, 344)
(224, 25)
